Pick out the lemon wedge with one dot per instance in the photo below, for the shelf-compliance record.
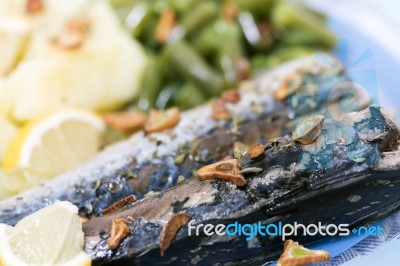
(55, 143)
(50, 236)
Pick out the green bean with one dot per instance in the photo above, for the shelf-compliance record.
(123, 7)
(249, 28)
(222, 40)
(277, 56)
(188, 96)
(229, 34)
(261, 61)
(207, 41)
(229, 49)
(285, 53)
(199, 16)
(123, 3)
(292, 15)
(320, 16)
(165, 98)
(185, 60)
(182, 6)
(296, 37)
(159, 6)
(226, 63)
(146, 34)
(138, 18)
(212, 38)
(259, 35)
(257, 7)
(151, 84)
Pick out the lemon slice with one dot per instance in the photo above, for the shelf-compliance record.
(55, 143)
(50, 236)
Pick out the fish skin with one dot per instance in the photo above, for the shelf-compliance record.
(287, 190)
(151, 157)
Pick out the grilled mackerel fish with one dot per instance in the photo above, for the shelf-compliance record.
(281, 183)
(350, 174)
(153, 162)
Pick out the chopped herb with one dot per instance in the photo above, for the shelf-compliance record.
(181, 180)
